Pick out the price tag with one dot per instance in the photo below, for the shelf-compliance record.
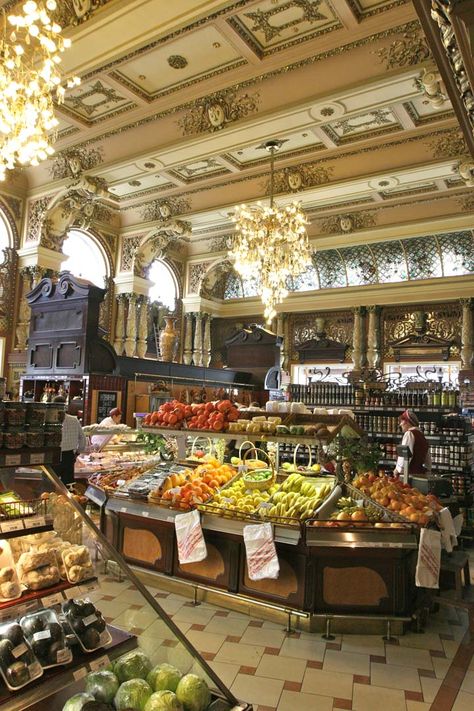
(79, 673)
(35, 522)
(104, 638)
(19, 650)
(35, 670)
(100, 663)
(38, 636)
(170, 519)
(89, 620)
(70, 593)
(84, 589)
(51, 600)
(123, 509)
(8, 526)
(145, 514)
(63, 656)
(12, 460)
(29, 607)
(37, 458)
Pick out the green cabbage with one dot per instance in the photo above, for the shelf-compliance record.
(132, 694)
(163, 701)
(164, 676)
(76, 702)
(133, 665)
(193, 693)
(103, 685)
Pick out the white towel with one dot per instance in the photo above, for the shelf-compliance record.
(429, 559)
(448, 532)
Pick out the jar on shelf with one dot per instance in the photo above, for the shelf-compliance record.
(14, 438)
(34, 437)
(53, 412)
(15, 414)
(52, 435)
(35, 413)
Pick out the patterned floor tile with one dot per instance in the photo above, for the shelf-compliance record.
(285, 668)
(463, 702)
(364, 644)
(468, 683)
(375, 698)
(259, 635)
(430, 688)
(226, 672)
(205, 641)
(409, 657)
(253, 691)
(292, 701)
(240, 653)
(317, 681)
(303, 649)
(395, 677)
(347, 662)
(227, 625)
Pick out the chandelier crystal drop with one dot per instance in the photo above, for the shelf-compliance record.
(271, 244)
(30, 82)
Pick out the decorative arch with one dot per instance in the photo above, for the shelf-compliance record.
(155, 244)
(8, 270)
(10, 223)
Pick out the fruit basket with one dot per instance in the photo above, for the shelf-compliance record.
(235, 500)
(298, 499)
(260, 478)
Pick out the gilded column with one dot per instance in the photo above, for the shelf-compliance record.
(467, 338)
(119, 324)
(197, 352)
(131, 328)
(373, 337)
(357, 346)
(188, 339)
(24, 311)
(207, 341)
(142, 327)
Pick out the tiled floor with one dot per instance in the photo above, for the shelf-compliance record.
(260, 663)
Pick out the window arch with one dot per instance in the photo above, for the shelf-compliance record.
(165, 285)
(6, 239)
(84, 258)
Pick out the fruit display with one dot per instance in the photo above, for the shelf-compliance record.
(238, 499)
(257, 477)
(299, 497)
(187, 489)
(289, 468)
(213, 416)
(87, 624)
(110, 481)
(18, 664)
(404, 500)
(133, 685)
(46, 638)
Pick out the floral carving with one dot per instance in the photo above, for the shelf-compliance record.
(129, 247)
(196, 274)
(163, 209)
(74, 12)
(305, 176)
(450, 145)
(214, 112)
(348, 222)
(73, 161)
(36, 214)
(411, 49)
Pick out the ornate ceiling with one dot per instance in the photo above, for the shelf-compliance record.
(177, 98)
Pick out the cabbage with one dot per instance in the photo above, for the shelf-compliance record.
(193, 693)
(164, 676)
(133, 665)
(76, 702)
(103, 685)
(163, 701)
(132, 694)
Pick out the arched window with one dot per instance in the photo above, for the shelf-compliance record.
(84, 258)
(5, 236)
(165, 287)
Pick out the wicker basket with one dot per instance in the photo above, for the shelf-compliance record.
(265, 483)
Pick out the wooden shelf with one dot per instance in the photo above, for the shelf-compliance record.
(31, 599)
(254, 437)
(53, 680)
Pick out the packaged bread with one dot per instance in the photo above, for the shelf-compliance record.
(34, 560)
(40, 578)
(78, 564)
(10, 588)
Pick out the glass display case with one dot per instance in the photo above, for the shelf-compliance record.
(64, 617)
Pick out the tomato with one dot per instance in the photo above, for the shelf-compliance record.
(224, 405)
(218, 426)
(233, 414)
(172, 418)
(209, 407)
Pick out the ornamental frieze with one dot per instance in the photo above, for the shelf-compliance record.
(216, 111)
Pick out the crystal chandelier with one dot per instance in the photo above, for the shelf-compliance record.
(271, 244)
(30, 82)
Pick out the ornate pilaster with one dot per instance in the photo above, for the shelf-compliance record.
(142, 327)
(373, 337)
(37, 273)
(23, 311)
(467, 336)
(197, 350)
(188, 339)
(120, 324)
(207, 341)
(131, 329)
(357, 338)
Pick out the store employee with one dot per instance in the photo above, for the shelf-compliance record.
(415, 440)
(114, 418)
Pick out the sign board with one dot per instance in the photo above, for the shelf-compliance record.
(102, 402)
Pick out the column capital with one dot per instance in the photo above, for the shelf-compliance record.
(373, 308)
(466, 303)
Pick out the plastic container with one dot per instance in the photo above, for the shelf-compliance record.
(15, 414)
(10, 588)
(36, 413)
(52, 435)
(78, 564)
(46, 638)
(18, 664)
(14, 438)
(34, 438)
(87, 624)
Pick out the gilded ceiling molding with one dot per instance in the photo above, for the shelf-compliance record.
(300, 177)
(161, 210)
(14, 204)
(348, 222)
(36, 214)
(449, 145)
(336, 51)
(72, 161)
(10, 216)
(217, 110)
(129, 247)
(75, 12)
(411, 49)
(467, 203)
(362, 14)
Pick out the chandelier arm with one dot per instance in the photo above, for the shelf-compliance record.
(272, 174)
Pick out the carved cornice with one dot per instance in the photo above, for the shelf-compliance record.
(411, 49)
(348, 222)
(74, 161)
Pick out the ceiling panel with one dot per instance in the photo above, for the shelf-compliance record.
(95, 100)
(292, 142)
(137, 184)
(423, 107)
(186, 60)
(199, 169)
(358, 126)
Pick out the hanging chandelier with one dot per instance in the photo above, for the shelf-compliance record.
(271, 244)
(30, 82)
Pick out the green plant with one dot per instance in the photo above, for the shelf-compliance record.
(154, 444)
(362, 455)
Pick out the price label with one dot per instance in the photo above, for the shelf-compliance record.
(38, 636)
(37, 458)
(35, 670)
(35, 522)
(70, 593)
(100, 663)
(12, 460)
(104, 638)
(84, 589)
(89, 620)
(51, 600)
(29, 607)
(170, 519)
(63, 656)
(145, 514)
(79, 673)
(9, 526)
(19, 650)
(123, 509)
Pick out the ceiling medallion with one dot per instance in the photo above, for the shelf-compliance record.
(73, 161)
(348, 222)
(177, 61)
(162, 210)
(214, 112)
(300, 177)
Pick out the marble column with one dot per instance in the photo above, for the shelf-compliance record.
(467, 336)
(142, 327)
(188, 339)
(24, 311)
(373, 337)
(357, 345)
(197, 350)
(119, 324)
(131, 326)
(207, 346)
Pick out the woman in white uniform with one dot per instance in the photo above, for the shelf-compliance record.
(99, 441)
